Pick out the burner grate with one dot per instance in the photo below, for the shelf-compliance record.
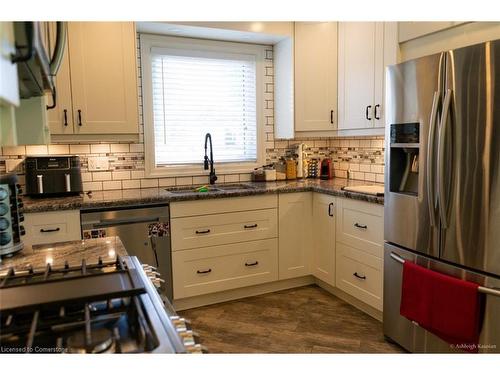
(84, 309)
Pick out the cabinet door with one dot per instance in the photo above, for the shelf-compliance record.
(323, 264)
(360, 54)
(103, 77)
(295, 214)
(315, 76)
(60, 118)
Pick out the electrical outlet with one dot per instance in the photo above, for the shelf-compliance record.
(98, 163)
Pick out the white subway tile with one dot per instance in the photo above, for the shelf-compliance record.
(136, 147)
(149, 183)
(163, 182)
(86, 176)
(353, 143)
(358, 175)
(245, 177)
(119, 147)
(198, 180)
(228, 178)
(111, 185)
(370, 177)
(137, 174)
(14, 150)
(353, 167)
(131, 184)
(365, 143)
(184, 180)
(100, 148)
(58, 149)
(376, 168)
(377, 143)
(79, 149)
(36, 150)
(121, 175)
(379, 178)
(101, 176)
(364, 168)
(92, 186)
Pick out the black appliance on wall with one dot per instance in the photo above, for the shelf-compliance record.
(11, 218)
(53, 175)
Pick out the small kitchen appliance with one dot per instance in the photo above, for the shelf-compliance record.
(53, 175)
(326, 171)
(11, 218)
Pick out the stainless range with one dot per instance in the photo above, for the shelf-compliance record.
(107, 307)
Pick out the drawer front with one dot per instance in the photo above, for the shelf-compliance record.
(210, 230)
(222, 205)
(49, 227)
(361, 225)
(360, 275)
(218, 268)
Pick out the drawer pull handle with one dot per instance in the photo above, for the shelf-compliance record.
(203, 231)
(359, 277)
(250, 226)
(251, 264)
(202, 272)
(360, 226)
(50, 230)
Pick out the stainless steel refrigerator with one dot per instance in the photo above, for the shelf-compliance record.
(442, 182)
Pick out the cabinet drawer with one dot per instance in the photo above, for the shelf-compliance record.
(361, 225)
(217, 268)
(222, 205)
(360, 275)
(49, 227)
(219, 229)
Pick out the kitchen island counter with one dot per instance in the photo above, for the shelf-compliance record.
(108, 249)
(137, 197)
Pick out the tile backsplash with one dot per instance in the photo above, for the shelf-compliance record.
(363, 156)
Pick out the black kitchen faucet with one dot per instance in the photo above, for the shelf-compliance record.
(212, 175)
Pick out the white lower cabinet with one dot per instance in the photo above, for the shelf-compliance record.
(217, 268)
(51, 227)
(294, 221)
(323, 243)
(359, 250)
(360, 275)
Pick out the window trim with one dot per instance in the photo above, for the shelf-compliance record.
(147, 42)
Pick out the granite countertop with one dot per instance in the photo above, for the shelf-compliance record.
(128, 197)
(72, 251)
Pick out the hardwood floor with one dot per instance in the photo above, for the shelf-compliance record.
(301, 320)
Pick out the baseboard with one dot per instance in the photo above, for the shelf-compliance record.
(374, 313)
(229, 295)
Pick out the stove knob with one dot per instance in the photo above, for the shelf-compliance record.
(189, 338)
(20, 204)
(22, 232)
(21, 218)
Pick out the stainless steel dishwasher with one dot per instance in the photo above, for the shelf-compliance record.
(143, 230)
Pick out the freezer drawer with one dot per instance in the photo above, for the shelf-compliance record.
(416, 339)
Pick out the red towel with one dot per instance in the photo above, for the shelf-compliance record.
(448, 307)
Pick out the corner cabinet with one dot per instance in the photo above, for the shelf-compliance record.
(323, 257)
(294, 221)
(315, 76)
(365, 49)
(97, 82)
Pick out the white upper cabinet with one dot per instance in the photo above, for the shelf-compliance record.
(365, 49)
(97, 82)
(315, 76)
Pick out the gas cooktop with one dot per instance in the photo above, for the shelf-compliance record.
(108, 307)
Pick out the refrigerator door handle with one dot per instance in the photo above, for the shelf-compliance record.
(443, 204)
(431, 199)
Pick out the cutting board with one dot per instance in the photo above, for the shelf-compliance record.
(366, 189)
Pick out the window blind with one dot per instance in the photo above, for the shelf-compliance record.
(199, 92)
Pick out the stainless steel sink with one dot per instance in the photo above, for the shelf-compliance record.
(211, 189)
(191, 190)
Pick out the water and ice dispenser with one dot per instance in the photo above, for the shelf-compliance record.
(404, 158)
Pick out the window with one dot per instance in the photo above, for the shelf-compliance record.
(193, 87)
